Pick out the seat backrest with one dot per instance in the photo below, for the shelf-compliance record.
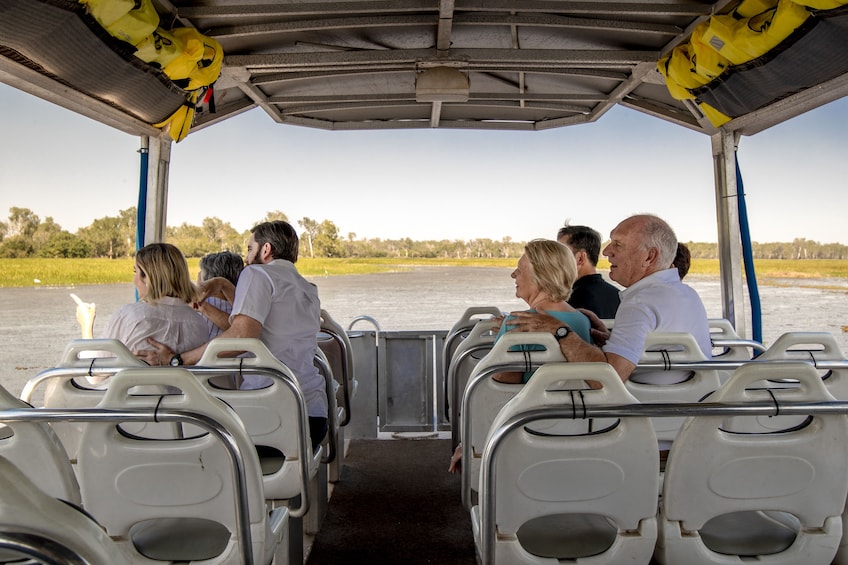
(339, 353)
(711, 472)
(335, 411)
(666, 348)
(468, 354)
(274, 415)
(128, 480)
(68, 391)
(459, 330)
(611, 472)
(42, 526)
(35, 449)
(812, 347)
(484, 397)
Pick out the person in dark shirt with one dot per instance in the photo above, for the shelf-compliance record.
(590, 290)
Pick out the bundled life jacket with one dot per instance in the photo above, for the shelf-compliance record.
(758, 53)
(128, 20)
(191, 60)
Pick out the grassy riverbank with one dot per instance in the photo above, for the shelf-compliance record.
(62, 272)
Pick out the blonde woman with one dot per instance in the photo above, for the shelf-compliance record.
(543, 279)
(164, 308)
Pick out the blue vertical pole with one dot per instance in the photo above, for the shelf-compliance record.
(141, 209)
(748, 258)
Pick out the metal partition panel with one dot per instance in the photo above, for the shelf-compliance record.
(407, 382)
(363, 421)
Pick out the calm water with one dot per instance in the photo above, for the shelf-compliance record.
(37, 323)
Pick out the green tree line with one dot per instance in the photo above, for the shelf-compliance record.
(25, 234)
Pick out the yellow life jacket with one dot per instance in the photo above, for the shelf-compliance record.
(128, 20)
(740, 40)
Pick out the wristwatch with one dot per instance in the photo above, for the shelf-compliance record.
(561, 332)
(176, 360)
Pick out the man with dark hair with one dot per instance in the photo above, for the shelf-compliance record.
(682, 260)
(590, 290)
(274, 303)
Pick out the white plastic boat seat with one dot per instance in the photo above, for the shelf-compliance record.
(274, 415)
(788, 488)
(35, 449)
(811, 347)
(170, 500)
(461, 328)
(734, 347)
(484, 397)
(468, 354)
(86, 392)
(673, 385)
(477, 344)
(575, 497)
(45, 529)
(339, 352)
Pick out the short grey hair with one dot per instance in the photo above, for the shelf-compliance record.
(657, 233)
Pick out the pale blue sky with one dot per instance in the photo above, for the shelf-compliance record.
(433, 184)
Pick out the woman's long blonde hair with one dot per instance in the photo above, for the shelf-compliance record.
(554, 267)
(166, 272)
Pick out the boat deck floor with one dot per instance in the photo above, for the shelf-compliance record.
(395, 502)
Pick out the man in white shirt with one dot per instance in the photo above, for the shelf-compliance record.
(274, 303)
(640, 250)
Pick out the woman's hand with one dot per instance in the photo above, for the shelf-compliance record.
(456, 461)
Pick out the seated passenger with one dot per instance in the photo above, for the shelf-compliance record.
(682, 260)
(163, 311)
(590, 290)
(216, 307)
(543, 280)
(640, 251)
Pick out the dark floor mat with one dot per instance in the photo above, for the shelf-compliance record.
(396, 503)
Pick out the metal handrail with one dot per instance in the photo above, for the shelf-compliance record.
(158, 415)
(719, 365)
(304, 443)
(43, 550)
(755, 345)
(772, 407)
(365, 318)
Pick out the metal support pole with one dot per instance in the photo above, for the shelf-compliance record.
(729, 242)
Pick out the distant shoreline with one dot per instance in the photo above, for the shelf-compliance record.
(69, 272)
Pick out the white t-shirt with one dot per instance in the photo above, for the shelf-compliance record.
(658, 303)
(287, 306)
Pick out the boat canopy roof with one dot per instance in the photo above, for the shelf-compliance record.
(383, 64)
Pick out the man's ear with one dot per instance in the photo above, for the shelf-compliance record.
(266, 253)
(581, 257)
(652, 256)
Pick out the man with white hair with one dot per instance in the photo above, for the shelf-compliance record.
(640, 250)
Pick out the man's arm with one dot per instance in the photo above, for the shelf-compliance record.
(215, 315)
(242, 326)
(218, 286)
(573, 348)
